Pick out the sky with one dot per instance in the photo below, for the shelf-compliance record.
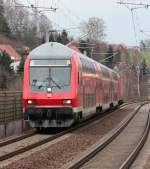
(117, 18)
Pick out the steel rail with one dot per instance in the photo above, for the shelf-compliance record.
(53, 137)
(128, 162)
(77, 163)
(18, 138)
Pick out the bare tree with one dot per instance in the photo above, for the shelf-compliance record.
(24, 23)
(94, 28)
(44, 25)
(4, 27)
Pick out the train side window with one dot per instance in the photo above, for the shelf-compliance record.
(87, 66)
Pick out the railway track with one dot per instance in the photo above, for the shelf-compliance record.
(128, 162)
(20, 143)
(18, 138)
(98, 156)
(33, 132)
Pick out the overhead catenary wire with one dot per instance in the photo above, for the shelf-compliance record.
(109, 57)
(68, 22)
(30, 6)
(145, 5)
(133, 17)
(101, 53)
(35, 9)
(71, 18)
(145, 34)
(70, 12)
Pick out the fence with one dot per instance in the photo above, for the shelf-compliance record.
(10, 106)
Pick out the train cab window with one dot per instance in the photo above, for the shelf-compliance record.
(43, 76)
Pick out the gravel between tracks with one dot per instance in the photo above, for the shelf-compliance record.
(147, 165)
(22, 143)
(57, 155)
(143, 159)
(113, 155)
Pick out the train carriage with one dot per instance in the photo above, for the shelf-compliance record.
(62, 86)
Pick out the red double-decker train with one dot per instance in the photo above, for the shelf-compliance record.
(62, 86)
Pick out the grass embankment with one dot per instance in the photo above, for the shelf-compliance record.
(146, 56)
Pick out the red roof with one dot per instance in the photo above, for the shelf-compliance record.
(118, 47)
(103, 45)
(11, 51)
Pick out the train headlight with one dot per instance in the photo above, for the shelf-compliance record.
(66, 101)
(49, 90)
(30, 102)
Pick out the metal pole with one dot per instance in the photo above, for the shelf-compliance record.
(138, 76)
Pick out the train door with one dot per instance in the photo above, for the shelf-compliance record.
(84, 95)
(98, 87)
(80, 88)
(112, 90)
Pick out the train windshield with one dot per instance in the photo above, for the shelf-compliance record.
(55, 77)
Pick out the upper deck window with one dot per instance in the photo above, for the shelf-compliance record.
(88, 67)
(49, 62)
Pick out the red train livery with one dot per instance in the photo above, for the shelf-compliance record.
(62, 86)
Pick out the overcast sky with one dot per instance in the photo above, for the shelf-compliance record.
(117, 18)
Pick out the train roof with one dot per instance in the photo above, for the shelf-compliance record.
(54, 50)
(105, 67)
(51, 50)
(100, 64)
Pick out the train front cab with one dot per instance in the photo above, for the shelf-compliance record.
(53, 108)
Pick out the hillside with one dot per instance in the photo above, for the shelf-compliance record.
(146, 55)
(11, 41)
(17, 43)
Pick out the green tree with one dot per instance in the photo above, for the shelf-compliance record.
(64, 37)
(3, 81)
(144, 68)
(21, 65)
(5, 70)
(5, 62)
(142, 45)
(84, 47)
(51, 38)
(59, 38)
(4, 28)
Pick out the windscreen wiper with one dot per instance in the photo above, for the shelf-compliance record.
(55, 82)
